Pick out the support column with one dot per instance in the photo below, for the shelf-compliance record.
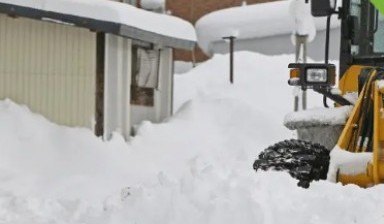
(100, 78)
(117, 86)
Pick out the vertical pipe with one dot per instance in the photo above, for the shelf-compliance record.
(301, 57)
(100, 72)
(231, 40)
(231, 56)
(327, 38)
(297, 56)
(304, 93)
(327, 52)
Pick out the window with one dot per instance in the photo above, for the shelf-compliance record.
(379, 35)
(368, 29)
(145, 75)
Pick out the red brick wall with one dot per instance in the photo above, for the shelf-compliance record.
(192, 10)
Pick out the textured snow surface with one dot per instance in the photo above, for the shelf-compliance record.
(318, 117)
(257, 21)
(116, 12)
(194, 168)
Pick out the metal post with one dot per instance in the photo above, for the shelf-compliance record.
(231, 57)
(304, 93)
(301, 57)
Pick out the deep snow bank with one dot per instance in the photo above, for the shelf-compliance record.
(259, 80)
(194, 168)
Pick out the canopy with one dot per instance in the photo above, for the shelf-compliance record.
(110, 17)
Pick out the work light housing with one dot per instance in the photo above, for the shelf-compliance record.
(312, 75)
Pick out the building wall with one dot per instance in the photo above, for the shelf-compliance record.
(192, 10)
(50, 68)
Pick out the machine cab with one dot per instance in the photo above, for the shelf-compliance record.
(362, 37)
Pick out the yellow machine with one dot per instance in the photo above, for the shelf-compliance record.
(361, 140)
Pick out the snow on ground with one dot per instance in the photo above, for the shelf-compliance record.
(194, 168)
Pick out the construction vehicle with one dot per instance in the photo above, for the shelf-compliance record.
(357, 155)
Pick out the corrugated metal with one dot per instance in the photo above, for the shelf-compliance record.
(50, 68)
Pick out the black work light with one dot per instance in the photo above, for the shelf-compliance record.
(312, 75)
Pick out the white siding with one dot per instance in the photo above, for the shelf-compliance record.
(117, 86)
(50, 68)
(166, 83)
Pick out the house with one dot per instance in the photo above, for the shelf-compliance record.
(266, 28)
(99, 64)
(193, 10)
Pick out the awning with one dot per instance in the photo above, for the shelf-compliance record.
(109, 17)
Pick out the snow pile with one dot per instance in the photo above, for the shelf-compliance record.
(194, 168)
(318, 117)
(181, 67)
(117, 12)
(259, 80)
(248, 22)
(46, 160)
(347, 163)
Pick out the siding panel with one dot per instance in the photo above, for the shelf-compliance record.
(50, 68)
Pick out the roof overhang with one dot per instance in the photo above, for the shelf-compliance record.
(97, 25)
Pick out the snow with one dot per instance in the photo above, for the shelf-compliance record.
(117, 12)
(318, 117)
(181, 67)
(347, 163)
(300, 12)
(380, 84)
(255, 21)
(194, 168)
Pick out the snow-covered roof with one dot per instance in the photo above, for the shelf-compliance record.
(108, 16)
(249, 22)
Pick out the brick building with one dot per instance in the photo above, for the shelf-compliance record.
(193, 10)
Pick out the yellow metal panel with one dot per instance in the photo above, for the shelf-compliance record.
(375, 169)
(346, 140)
(362, 180)
(349, 81)
(50, 68)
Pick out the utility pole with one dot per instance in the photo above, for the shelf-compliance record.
(231, 56)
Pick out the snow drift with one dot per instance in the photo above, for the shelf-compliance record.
(194, 168)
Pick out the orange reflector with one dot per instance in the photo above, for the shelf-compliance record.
(294, 73)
